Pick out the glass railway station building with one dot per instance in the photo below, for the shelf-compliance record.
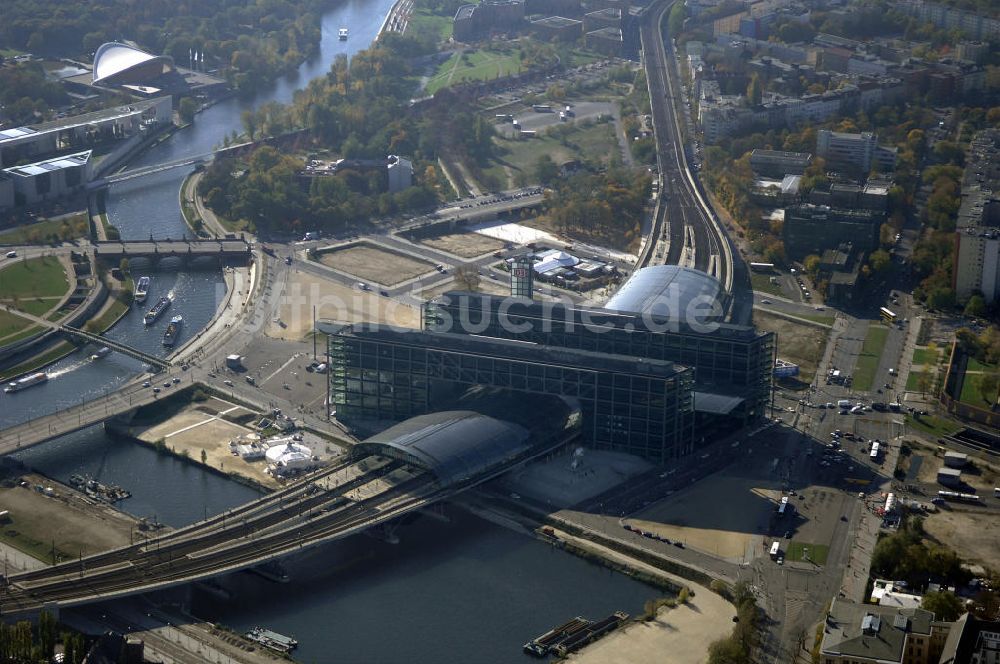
(655, 372)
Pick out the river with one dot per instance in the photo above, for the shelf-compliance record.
(462, 591)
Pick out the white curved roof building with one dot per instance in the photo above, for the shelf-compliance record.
(116, 63)
(290, 457)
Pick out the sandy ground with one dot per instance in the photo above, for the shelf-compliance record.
(975, 535)
(798, 343)
(977, 474)
(681, 634)
(721, 515)
(487, 286)
(67, 520)
(466, 245)
(195, 431)
(377, 264)
(515, 233)
(337, 302)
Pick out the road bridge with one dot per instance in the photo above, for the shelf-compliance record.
(226, 249)
(369, 489)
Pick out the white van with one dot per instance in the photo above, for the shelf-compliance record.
(996, 492)
(844, 403)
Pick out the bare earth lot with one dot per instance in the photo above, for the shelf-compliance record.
(373, 263)
(975, 535)
(337, 302)
(466, 245)
(39, 522)
(798, 343)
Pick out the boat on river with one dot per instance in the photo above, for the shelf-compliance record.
(158, 308)
(141, 289)
(173, 331)
(272, 640)
(26, 382)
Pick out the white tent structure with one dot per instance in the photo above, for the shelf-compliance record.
(291, 457)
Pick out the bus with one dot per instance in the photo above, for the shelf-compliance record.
(783, 506)
(541, 108)
(762, 267)
(874, 453)
(961, 497)
(887, 316)
(775, 549)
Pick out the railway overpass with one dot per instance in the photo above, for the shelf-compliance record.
(685, 229)
(405, 468)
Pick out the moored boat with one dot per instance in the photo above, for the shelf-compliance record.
(141, 289)
(272, 640)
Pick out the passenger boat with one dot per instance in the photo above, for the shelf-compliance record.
(272, 640)
(158, 308)
(141, 289)
(343, 34)
(26, 382)
(103, 351)
(173, 330)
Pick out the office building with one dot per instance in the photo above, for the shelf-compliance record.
(977, 255)
(812, 229)
(51, 179)
(972, 641)
(778, 163)
(854, 153)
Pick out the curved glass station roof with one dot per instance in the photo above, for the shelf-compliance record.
(670, 291)
(114, 60)
(454, 445)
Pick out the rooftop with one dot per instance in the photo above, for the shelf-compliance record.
(114, 58)
(556, 21)
(72, 122)
(49, 165)
(523, 351)
(453, 445)
(670, 291)
(869, 632)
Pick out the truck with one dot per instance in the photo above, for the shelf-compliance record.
(234, 362)
(775, 549)
(844, 403)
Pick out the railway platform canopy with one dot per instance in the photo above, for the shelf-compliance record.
(454, 446)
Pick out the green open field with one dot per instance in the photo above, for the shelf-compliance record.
(422, 20)
(925, 356)
(34, 286)
(803, 551)
(762, 284)
(585, 142)
(475, 65)
(913, 381)
(53, 230)
(976, 365)
(14, 328)
(935, 426)
(864, 371)
(36, 277)
(971, 392)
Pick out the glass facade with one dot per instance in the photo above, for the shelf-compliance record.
(642, 407)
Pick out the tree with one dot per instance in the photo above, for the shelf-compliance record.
(811, 264)
(675, 22)
(941, 298)
(755, 90)
(467, 278)
(187, 109)
(976, 307)
(546, 171)
(944, 605)
(123, 266)
(880, 261)
(988, 384)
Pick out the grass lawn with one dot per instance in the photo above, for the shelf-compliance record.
(53, 230)
(421, 20)
(59, 351)
(936, 426)
(37, 277)
(800, 551)
(108, 318)
(475, 65)
(913, 380)
(864, 371)
(819, 318)
(14, 328)
(584, 141)
(762, 284)
(971, 394)
(925, 356)
(976, 365)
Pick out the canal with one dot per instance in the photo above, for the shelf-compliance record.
(466, 590)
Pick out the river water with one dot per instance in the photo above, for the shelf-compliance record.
(466, 590)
